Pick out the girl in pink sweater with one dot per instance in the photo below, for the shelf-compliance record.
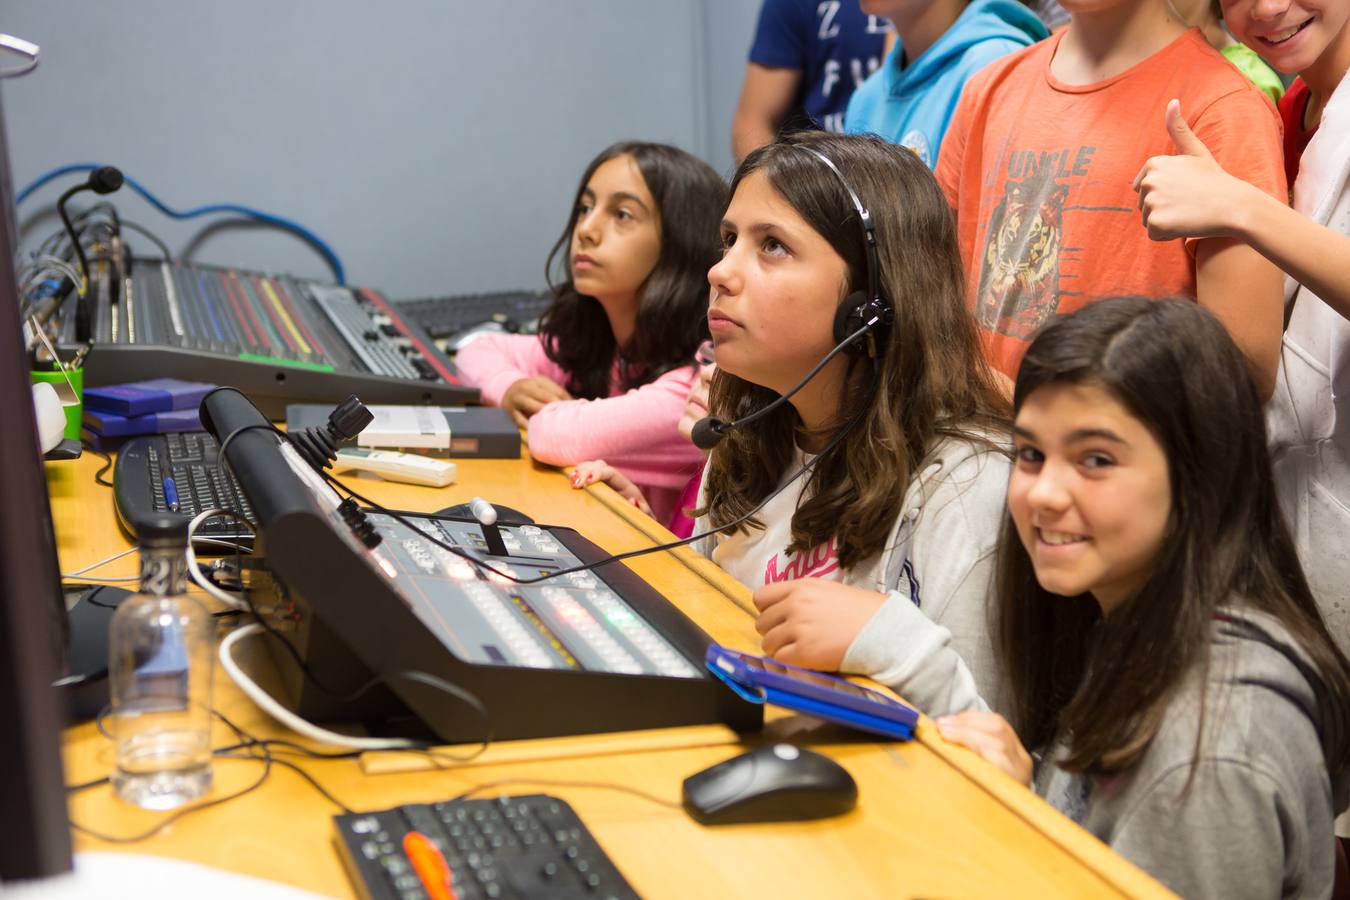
(609, 372)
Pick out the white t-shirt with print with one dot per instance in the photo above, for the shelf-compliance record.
(757, 558)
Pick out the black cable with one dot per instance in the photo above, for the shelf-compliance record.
(302, 750)
(76, 788)
(107, 464)
(229, 723)
(53, 244)
(440, 684)
(269, 759)
(313, 782)
(103, 206)
(484, 564)
(221, 462)
(267, 762)
(249, 742)
(79, 250)
(93, 592)
(266, 758)
(613, 558)
(466, 697)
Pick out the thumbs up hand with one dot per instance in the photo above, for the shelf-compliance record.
(1185, 140)
(1187, 194)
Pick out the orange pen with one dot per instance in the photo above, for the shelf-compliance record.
(429, 865)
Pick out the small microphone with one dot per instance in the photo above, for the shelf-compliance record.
(707, 433)
(105, 179)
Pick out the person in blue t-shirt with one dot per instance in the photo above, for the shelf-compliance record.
(939, 45)
(807, 58)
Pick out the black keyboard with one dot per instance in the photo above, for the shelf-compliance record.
(178, 473)
(445, 317)
(505, 847)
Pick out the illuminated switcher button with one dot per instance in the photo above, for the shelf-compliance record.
(418, 552)
(632, 627)
(583, 580)
(599, 640)
(520, 642)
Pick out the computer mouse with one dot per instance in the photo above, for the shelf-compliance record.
(505, 514)
(774, 783)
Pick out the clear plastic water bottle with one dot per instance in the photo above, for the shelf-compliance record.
(160, 661)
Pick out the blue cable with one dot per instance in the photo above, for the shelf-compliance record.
(295, 227)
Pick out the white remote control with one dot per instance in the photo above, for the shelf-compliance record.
(395, 466)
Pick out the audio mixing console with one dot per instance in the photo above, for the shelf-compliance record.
(280, 339)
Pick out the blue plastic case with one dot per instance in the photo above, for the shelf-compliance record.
(759, 679)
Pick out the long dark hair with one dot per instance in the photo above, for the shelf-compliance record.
(672, 302)
(933, 381)
(1104, 685)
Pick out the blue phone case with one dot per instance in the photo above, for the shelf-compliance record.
(824, 696)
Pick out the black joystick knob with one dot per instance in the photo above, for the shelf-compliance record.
(319, 445)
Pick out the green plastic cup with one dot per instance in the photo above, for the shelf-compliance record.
(74, 411)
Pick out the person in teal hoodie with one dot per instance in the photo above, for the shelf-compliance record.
(910, 99)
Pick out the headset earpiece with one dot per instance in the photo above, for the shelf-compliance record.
(855, 311)
(848, 318)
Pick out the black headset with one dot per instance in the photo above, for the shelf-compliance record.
(861, 307)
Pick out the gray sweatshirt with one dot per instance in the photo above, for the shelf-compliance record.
(1257, 820)
(930, 641)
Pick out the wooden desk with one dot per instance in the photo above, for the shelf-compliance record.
(932, 820)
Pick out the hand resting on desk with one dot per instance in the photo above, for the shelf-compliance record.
(527, 396)
(989, 735)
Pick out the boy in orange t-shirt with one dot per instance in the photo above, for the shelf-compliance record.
(1038, 165)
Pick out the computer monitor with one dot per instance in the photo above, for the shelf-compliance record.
(32, 625)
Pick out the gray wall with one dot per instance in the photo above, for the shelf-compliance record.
(434, 145)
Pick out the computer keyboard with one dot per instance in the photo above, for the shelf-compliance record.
(178, 473)
(504, 847)
(445, 317)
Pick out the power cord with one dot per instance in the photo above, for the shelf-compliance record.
(274, 709)
(107, 464)
(267, 761)
(194, 568)
(244, 602)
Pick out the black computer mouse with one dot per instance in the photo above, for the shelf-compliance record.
(505, 514)
(774, 783)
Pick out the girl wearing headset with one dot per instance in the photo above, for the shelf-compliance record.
(875, 556)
